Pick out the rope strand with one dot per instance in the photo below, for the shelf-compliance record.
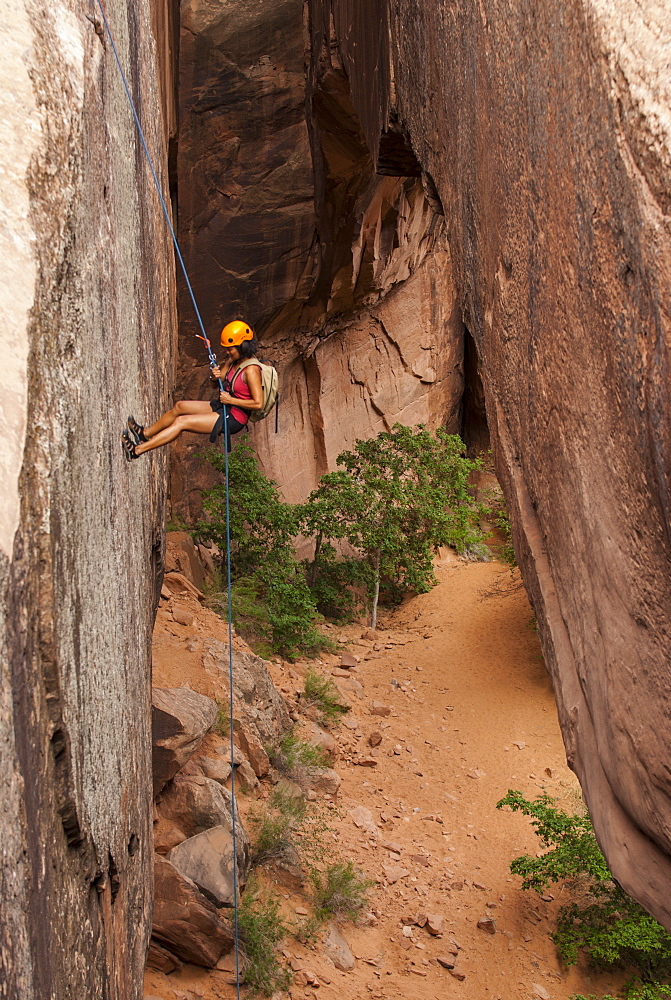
(212, 360)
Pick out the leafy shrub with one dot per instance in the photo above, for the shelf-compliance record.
(608, 925)
(635, 991)
(273, 607)
(291, 755)
(262, 929)
(275, 828)
(321, 692)
(341, 890)
(494, 506)
(339, 584)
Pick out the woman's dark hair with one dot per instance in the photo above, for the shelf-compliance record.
(249, 348)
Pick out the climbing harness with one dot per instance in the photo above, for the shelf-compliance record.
(212, 361)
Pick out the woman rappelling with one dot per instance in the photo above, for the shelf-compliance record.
(242, 394)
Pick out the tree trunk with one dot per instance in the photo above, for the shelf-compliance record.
(312, 573)
(376, 590)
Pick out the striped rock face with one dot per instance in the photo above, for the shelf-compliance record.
(88, 273)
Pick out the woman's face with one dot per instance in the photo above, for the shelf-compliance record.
(233, 353)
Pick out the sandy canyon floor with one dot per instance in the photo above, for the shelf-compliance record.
(472, 714)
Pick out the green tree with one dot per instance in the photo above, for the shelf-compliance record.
(395, 498)
(607, 924)
(269, 585)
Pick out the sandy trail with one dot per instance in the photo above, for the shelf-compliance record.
(472, 714)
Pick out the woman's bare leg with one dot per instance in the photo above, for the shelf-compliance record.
(201, 423)
(185, 406)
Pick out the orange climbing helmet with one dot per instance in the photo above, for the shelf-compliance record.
(234, 333)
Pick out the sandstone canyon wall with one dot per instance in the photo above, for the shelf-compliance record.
(87, 336)
(490, 167)
(546, 130)
(343, 268)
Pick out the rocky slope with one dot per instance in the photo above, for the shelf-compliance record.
(481, 168)
(450, 706)
(88, 272)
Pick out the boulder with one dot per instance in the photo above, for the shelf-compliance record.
(207, 859)
(190, 805)
(216, 768)
(180, 720)
(185, 922)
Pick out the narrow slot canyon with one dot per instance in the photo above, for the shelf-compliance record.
(438, 215)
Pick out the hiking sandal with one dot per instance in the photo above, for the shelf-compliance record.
(136, 429)
(128, 446)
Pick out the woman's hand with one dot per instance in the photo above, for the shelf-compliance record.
(216, 373)
(225, 397)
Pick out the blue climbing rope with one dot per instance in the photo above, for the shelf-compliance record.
(212, 361)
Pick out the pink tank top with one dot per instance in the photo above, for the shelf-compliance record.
(236, 386)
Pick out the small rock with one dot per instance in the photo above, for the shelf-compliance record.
(487, 924)
(377, 708)
(476, 773)
(369, 634)
(479, 885)
(337, 949)
(301, 911)
(520, 744)
(445, 961)
(457, 974)
(375, 739)
(550, 773)
(363, 819)
(391, 845)
(434, 924)
(327, 781)
(245, 777)
(540, 991)
(407, 931)
(366, 762)
(393, 874)
(182, 616)
(347, 661)
(349, 723)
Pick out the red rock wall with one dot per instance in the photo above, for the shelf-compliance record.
(89, 335)
(546, 134)
(344, 272)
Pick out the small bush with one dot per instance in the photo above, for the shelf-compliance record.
(495, 510)
(223, 724)
(291, 756)
(607, 925)
(262, 929)
(341, 890)
(635, 991)
(275, 828)
(321, 692)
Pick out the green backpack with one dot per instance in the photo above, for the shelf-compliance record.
(271, 384)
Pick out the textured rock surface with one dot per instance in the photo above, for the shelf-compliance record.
(548, 141)
(180, 719)
(207, 859)
(345, 273)
(87, 272)
(192, 804)
(185, 922)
